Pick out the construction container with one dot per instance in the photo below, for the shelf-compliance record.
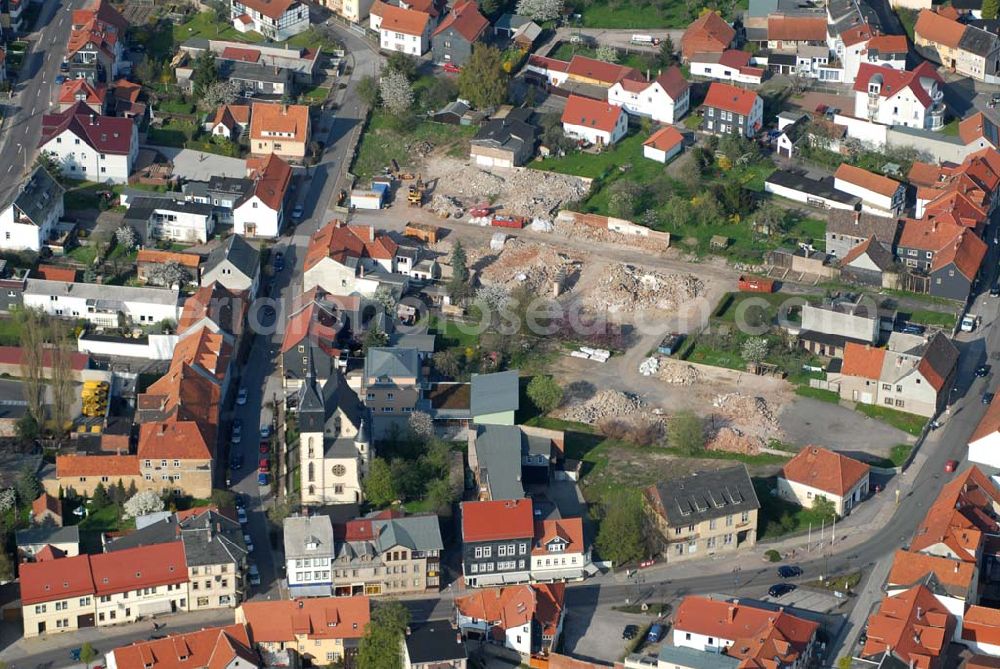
(755, 284)
(517, 222)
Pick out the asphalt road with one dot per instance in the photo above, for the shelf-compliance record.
(33, 93)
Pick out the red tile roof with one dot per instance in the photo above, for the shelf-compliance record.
(581, 67)
(706, 34)
(226, 308)
(55, 273)
(981, 624)
(56, 579)
(515, 605)
(569, 530)
(188, 260)
(591, 113)
(104, 134)
(796, 28)
(547, 63)
(271, 177)
(240, 54)
(888, 44)
(965, 252)
(862, 360)
(914, 625)
(497, 520)
(894, 81)
(976, 127)
(315, 618)
(730, 98)
(272, 117)
(274, 9)
(960, 515)
(12, 355)
(673, 82)
(338, 241)
(210, 648)
(406, 21)
(856, 34)
(315, 320)
(182, 440)
(825, 470)
(989, 424)
(113, 466)
(232, 116)
(665, 138)
(46, 503)
(141, 567)
(465, 20)
(933, 27)
(867, 180)
(909, 568)
(81, 89)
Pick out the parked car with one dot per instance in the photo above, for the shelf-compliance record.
(987, 398)
(655, 633)
(789, 571)
(265, 431)
(630, 632)
(912, 328)
(262, 478)
(61, 79)
(253, 575)
(264, 465)
(982, 370)
(780, 589)
(241, 397)
(950, 466)
(236, 462)
(241, 515)
(237, 432)
(297, 213)
(995, 290)
(265, 448)
(249, 542)
(279, 261)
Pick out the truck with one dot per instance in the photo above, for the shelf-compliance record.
(645, 40)
(422, 231)
(504, 221)
(755, 284)
(970, 322)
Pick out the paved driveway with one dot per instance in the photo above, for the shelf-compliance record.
(201, 166)
(809, 421)
(597, 634)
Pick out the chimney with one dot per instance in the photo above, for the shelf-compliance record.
(93, 119)
(731, 614)
(920, 613)
(857, 218)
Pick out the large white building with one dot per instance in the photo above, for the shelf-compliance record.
(594, 121)
(31, 216)
(167, 218)
(103, 304)
(278, 20)
(88, 146)
(819, 472)
(309, 552)
(665, 99)
(914, 99)
(401, 29)
(261, 212)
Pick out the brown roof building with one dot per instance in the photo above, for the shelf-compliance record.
(819, 472)
(707, 34)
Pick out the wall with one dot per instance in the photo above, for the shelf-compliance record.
(152, 347)
(941, 147)
(863, 130)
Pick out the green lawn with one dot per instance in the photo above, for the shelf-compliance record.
(175, 106)
(10, 332)
(203, 25)
(951, 128)
(382, 142)
(566, 51)
(314, 95)
(172, 133)
(778, 517)
(84, 195)
(899, 454)
(938, 318)
(600, 14)
(312, 39)
(907, 422)
(818, 394)
(84, 254)
(452, 334)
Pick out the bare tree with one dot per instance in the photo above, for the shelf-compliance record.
(168, 274)
(62, 383)
(218, 94)
(32, 338)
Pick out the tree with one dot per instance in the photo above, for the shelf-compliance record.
(442, 91)
(223, 499)
(544, 393)
(540, 10)
(100, 498)
(440, 495)
(379, 486)
(168, 274)
(373, 339)
(607, 53)
(204, 73)
(397, 95)
(624, 198)
(482, 80)
(668, 55)
(132, 490)
(126, 237)
(686, 432)
(32, 339)
(754, 350)
(384, 297)
(493, 297)
(62, 380)
(88, 654)
(382, 644)
(990, 9)
(147, 70)
(367, 90)
(403, 63)
(421, 424)
(219, 93)
(447, 363)
(27, 486)
(6, 567)
(50, 162)
(769, 219)
(824, 507)
(142, 503)
(458, 284)
(26, 428)
(619, 538)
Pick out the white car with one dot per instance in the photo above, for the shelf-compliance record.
(241, 397)
(241, 515)
(249, 542)
(265, 431)
(253, 575)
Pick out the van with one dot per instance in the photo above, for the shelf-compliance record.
(655, 633)
(645, 40)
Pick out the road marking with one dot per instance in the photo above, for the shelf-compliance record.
(33, 111)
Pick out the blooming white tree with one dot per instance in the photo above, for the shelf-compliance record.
(168, 274)
(754, 349)
(126, 236)
(494, 296)
(397, 95)
(540, 10)
(142, 503)
(218, 94)
(7, 499)
(607, 53)
(421, 424)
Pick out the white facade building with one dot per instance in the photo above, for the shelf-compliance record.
(665, 99)
(278, 21)
(32, 215)
(90, 147)
(403, 30)
(102, 304)
(593, 121)
(914, 99)
(309, 553)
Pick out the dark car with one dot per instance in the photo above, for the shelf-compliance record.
(236, 462)
(780, 589)
(655, 633)
(982, 370)
(630, 632)
(789, 571)
(912, 328)
(987, 398)
(279, 261)
(995, 290)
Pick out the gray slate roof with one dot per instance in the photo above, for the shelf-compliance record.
(434, 641)
(841, 222)
(392, 362)
(238, 252)
(493, 393)
(141, 208)
(418, 533)
(498, 448)
(37, 195)
(301, 530)
(704, 495)
(696, 659)
(48, 535)
(104, 293)
(424, 343)
(979, 42)
(209, 538)
(317, 405)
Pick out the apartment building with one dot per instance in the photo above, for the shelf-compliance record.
(391, 386)
(912, 628)
(279, 129)
(914, 98)
(88, 146)
(729, 109)
(309, 551)
(260, 211)
(228, 647)
(497, 538)
(31, 216)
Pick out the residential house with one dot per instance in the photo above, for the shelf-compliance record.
(817, 472)
(84, 472)
(709, 33)
(320, 630)
(911, 627)
(981, 630)
(730, 109)
(234, 264)
(949, 255)
(979, 132)
(178, 456)
(879, 195)
(955, 584)
(706, 513)
(578, 72)
(261, 212)
(594, 121)
(527, 619)
(95, 49)
(69, 593)
(88, 146)
(914, 98)
(223, 193)
(754, 636)
(388, 553)
(827, 326)
(404, 30)
(214, 309)
(504, 142)
(495, 398)
(102, 304)
(868, 263)
(961, 520)
(497, 537)
(229, 122)
(786, 33)
(348, 259)
(433, 645)
(335, 443)
(279, 129)
(123, 99)
(505, 457)
(559, 552)
(266, 62)
(665, 99)
(32, 542)
(355, 11)
(47, 510)
(848, 229)
(161, 218)
(937, 38)
(309, 551)
(276, 21)
(960, 194)
(312, 336)
(729, 65)
(150, 262)
(228, 647)
(34, 211)
(663, 144)
(984, 444)
(391, 386)
(94, 95)
(214, 551)
(453, 39)
(968, 50)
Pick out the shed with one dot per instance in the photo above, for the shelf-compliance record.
(719, 242)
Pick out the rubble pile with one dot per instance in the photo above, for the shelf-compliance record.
(678, 373)
(734, 440)
(533, 265)
(747, 410)
(579, 231)
(649, 366)
(446, 207)
(603, 404)
(628, 288)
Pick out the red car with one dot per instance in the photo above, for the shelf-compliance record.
(265, 466)
(451, 68)
(950, 466)
(265, 447)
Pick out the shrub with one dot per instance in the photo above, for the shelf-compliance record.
(773, 556)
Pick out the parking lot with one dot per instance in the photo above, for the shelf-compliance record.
(596, 633)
